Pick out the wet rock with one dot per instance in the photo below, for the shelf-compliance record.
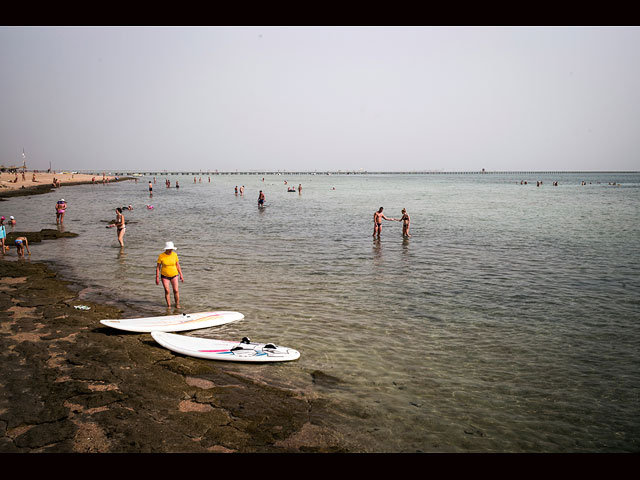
(36, 237)
(324, 379)
(65, 375)
(46, 434)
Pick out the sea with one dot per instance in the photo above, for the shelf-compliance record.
(508, 322)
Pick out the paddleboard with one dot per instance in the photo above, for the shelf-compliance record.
(174, 323)
(210, 349)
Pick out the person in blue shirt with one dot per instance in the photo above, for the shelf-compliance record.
(3, 234)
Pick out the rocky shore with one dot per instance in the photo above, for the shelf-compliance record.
(68, 384)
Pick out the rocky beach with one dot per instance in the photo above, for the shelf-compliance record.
(69, 384)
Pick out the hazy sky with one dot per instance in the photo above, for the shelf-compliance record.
(315, 98)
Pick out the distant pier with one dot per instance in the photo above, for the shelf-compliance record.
(340, 172)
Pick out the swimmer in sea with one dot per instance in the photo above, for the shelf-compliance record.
(377, 221)
(168, 268)
(261, 199)
(61, 207)
(21, 244)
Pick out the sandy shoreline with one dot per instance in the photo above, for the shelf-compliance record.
(44, 182)
(69, 384)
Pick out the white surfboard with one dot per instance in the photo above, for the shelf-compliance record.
(210, 349)
(174, 323)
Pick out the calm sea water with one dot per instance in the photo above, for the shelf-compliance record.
(509, 321)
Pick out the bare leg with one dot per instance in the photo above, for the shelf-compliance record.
(167, 291)
(176, 291)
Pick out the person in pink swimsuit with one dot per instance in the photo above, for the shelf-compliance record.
(61, 207)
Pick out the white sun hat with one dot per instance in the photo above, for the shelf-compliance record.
(169, 246)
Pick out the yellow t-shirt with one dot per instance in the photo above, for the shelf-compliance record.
(168, 263)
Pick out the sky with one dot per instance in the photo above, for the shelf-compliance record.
(321, 98)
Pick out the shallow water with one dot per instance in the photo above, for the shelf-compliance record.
(509, 321)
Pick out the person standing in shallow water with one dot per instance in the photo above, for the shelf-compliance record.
(61, 207)
(406, 223)
(3, 235)
(120, 226)
(168, 269)
(377, 221)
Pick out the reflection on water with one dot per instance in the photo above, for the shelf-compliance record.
(122, 265)
(509, 321)
(377, 249)
(405, 245)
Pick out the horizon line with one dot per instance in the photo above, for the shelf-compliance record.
(353, 172)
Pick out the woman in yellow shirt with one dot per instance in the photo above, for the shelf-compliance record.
(168, 268)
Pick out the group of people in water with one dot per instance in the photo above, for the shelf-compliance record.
(167, 183)
(168, 271)
(538, 183)
(379, 216)
(21, 242)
